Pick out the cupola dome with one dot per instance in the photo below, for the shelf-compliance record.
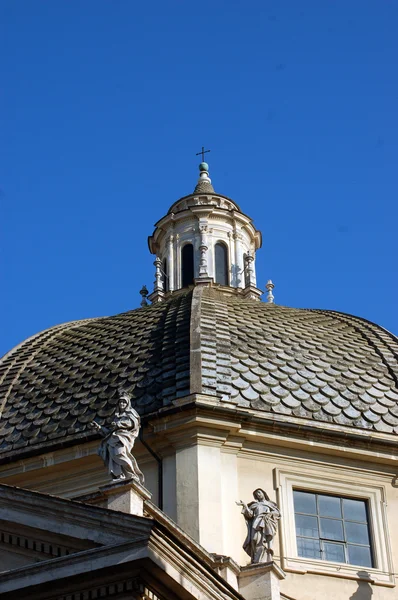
(205, 238)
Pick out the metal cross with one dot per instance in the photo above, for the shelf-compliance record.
(203, 152)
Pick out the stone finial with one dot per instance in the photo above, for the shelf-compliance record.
(270, 286)
(204, 185)
(261, 517)
(144, 293)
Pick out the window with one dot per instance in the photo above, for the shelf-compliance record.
(221, 262)
(334, 522)
(332, 528)
(187, 265)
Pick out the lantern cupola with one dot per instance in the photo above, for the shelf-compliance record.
(205, 239)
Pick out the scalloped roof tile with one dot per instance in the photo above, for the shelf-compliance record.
(312, 364)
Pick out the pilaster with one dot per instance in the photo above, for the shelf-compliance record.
(170, 261)
(200, 506)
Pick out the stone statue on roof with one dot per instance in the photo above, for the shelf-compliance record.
(117, 445)
(261, 517)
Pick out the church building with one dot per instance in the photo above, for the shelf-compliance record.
(262, 438)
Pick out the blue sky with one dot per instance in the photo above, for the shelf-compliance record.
(105, 103)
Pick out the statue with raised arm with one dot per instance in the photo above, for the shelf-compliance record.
(261, 517)
(116, 447)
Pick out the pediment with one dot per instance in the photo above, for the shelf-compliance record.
(21, 545)
(52, 548)
(55, 527)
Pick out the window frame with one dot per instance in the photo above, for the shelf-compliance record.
(183, 246)
(357, 487)
(344, 542)
(226, 256)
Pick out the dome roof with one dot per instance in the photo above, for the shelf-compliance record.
(308, 365)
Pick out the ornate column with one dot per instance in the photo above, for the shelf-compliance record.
(158, 275)
(158, 292)
(250, 291)
(203, 248)
(239, 259)
(231, 259)
(249, 275)
(237, 268)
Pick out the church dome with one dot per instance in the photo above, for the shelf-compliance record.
(312, 367)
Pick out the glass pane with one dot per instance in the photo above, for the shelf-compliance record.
(334, 552)
(359, 555)
(221, 264)
(331, 529)
(308, 548)
(357, 533)
(187, 265)
(304, 502)
(329, 506)
(354, 510)
(307, 526)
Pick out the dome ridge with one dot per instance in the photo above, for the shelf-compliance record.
(369, 329)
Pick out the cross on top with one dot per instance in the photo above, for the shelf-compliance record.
(202, 152)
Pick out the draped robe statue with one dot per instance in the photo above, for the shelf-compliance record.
(116, 447)
(261, 517)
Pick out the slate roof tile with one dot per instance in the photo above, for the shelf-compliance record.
(291, 402)
(369, 415)
(383, 427)
(340, 402)
(317, 365)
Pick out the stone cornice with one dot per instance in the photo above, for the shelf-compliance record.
(193, 418)
(199, 417)
(231, 216)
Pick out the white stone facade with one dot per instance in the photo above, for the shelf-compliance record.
(204, 221)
